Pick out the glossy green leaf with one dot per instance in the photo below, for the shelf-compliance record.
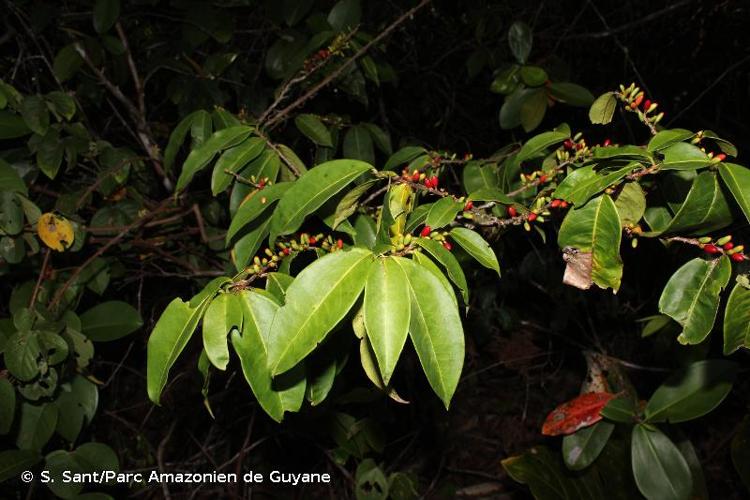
(77, 402)
(449, 262)
(631, 204)
(67, 62)
(520, 39)
(443, 212)
(346, 14)
(11, 213)
(622, 153)
(665, 138)
(21, 354)
(106, 13)
(203, 124)
(310, 191)
(595, 228)
(403, 156)
(603, 109)
(276, 285)
(62, 103)
(737, 179)
(170, 336)
(691, 296)
(660, 470)
(358, 144)
(737, 319)
(571, 94)
(10, 180)
(683, 156)
(285, 393)
(380, 137)
(314, 129)
(12, 125)
(533, 108)
(580, 449)
(267, 165)
(621, 410)
(110, 320)
(7, 405)
(386, 313)
(478, 177)
(36, 114)
(435, 329)
(223, 313)
(13, 462)
(233, 160)
(533, 76)
(249, 244)
(316, 302)
(585, 182)
(176, 138)
(200, 157)
(255, 204)
(539, 143)
(36, 425)
(692, 392)
(476, 246)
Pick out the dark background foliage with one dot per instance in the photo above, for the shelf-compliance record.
(525, 335)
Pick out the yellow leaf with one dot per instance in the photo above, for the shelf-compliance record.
(56, 232)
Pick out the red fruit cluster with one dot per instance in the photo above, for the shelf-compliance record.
(425, 231)
(512, 211)
(723, 245)
(557, 203)
(431, 182)
(568, 144)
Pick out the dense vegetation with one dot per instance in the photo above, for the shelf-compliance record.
(434, 249)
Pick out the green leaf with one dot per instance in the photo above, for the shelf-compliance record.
(276, 285)
(13, 462)
(737, 179)
(387, 313)
(287, 392)
(476, 246)
(533, 109)
(267, 165)
(63, 104)
(176, 138)
(520, 40)
(223, 313)
(348, 204)
(255, 204)
(36, 425)
(603, 109)
(691, 296)
(249, 244)
(106, 13)
(7, 405)
(358, 144)
(449, 262)
(435, 329)
(692, 392)
(380, 137)
(533, 76)
(539, 143)
(660, 470)
(631, 204)
(683, 156)
(234, 160)
(346, 14)
(67, 62)
(443, 212)
(11, 213)
(12, 126)
(21, 354)
(571, 94)
(580, 449)
(110, 321)
(203, 125)
(737, 320)
(314, 129)
(36, 114)
(585, 182)
(170, 336)
(627, 152)
(311, 191)
(77, 402)
(430, 265)
(316, 302)
(666, 138)
(621, 410)
(200, 157)
(403, 156)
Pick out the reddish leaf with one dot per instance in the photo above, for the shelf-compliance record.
(576, 414)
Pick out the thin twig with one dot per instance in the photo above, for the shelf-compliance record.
(40, 278)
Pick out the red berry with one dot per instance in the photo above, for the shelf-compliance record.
(721, 157)
(542, 179)
(340, 243)
(737, 257)
(434, 182)
(579, 145)
(532, 217)
(261, 184)
(415, 176)
(728, 246)
(469, 205)
(711, 249)
(447, 245)
(512, 211)
(563, 204)
(425, 231)
(286, 251)
(313, 240)
(555, 203)
(606, 142)
(568, 144)
(646, 104)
